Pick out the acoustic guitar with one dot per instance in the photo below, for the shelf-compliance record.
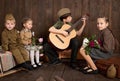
(60, 41)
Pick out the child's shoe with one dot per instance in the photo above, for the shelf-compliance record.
(34, 65)
(39, 64)
(91, 71)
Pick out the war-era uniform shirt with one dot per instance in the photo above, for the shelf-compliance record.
(10, 39)
(11, 42)
(59, 24)
(26, 36)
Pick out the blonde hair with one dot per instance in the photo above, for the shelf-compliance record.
(9, 17)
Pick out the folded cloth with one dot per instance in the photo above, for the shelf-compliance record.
(7, 61)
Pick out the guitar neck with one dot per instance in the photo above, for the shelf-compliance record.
(74, 25)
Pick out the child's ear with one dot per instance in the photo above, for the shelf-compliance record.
(24, 25)
(64, 20)
(107, 24)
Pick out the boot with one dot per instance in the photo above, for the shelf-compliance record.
(27, 66)
(74, 66)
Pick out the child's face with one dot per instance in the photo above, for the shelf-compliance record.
(28, 24)
(10, 24)
(101, 23)
(68, 19)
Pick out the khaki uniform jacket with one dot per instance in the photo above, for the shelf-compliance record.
(26, 36)
(10, 39)
(11, 42)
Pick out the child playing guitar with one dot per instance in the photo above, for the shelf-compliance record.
(60, 35)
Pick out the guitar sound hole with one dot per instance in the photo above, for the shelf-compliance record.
(59, 38)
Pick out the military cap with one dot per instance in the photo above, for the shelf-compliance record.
(63, 11)
(9, 17)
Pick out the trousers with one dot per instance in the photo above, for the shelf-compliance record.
(52, 54)
(20, 54)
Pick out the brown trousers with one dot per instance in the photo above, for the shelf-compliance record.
(20, 54)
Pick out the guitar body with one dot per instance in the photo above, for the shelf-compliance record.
(61, 41)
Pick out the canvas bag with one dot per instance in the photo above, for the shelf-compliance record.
(104, 64)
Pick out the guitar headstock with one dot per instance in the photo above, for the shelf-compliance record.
(85, 16)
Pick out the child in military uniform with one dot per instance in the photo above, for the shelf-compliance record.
(11, 42)
(65, 17)
(26, 37)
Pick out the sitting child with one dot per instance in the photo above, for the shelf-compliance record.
(11, 42)
(26, 37)
(107, 46)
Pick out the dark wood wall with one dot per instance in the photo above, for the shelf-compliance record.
(44, 13)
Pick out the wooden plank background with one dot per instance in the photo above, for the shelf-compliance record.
(44, 13)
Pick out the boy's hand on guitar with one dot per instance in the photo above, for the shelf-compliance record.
(84, 20)
(64, 33)
(85, 17)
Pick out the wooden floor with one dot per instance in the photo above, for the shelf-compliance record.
(48, 72)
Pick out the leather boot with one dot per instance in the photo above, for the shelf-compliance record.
(27, 66)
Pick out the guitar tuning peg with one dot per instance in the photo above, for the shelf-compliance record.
(87, 14)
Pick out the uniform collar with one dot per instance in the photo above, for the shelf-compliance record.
(26, 30)
(9, 30)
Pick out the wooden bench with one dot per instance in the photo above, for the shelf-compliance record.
(67, 54)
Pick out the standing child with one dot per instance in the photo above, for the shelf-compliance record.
(26, 37)
(107, 46)
(11, 42)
